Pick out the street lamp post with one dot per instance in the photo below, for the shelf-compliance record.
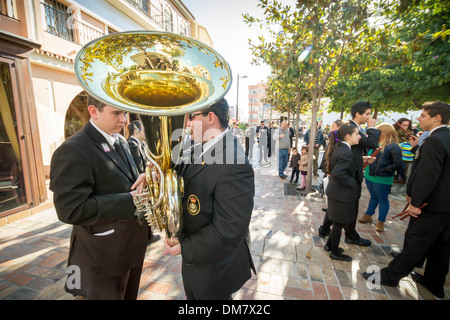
(237, 97)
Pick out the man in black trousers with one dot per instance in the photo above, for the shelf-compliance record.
(219, 188)
(92, 176)
(360, 112)
(428, 233)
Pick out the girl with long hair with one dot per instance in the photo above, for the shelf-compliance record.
(380, 175)
(342, 188)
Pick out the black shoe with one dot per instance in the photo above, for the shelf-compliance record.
(367, 275)
(439, 293)
(328, 249)
(323, 232)
(341, 257)
(282, 177)
(359, 242)
(324, 209)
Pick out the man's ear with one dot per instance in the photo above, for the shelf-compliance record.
(438, 119)
(212, 118)
(93, 111)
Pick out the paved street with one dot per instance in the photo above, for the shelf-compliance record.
(287, 252)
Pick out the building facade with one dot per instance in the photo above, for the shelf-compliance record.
(41, 102)
(258, 108)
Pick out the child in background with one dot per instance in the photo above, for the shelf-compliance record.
(303, 167)
(294, 164)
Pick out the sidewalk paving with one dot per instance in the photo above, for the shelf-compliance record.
(287, 252)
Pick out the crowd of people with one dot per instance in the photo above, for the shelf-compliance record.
(96, 174)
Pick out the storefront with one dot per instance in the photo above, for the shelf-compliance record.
(22, 180)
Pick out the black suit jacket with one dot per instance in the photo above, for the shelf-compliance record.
(430, 173)
(91, 188)
(138, 155)
(367, 142)
(342, 188)
(217, 207)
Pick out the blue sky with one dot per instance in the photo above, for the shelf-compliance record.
(229, 33)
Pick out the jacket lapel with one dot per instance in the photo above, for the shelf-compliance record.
(220, 150)
(106, 148)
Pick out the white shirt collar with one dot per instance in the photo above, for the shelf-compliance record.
(348, 145)
(137, 140)
(359, 128)
(437, 128)
(213, 141)
(110, 138)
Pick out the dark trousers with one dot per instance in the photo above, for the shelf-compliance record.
(295, 173)
(335, 236)
(327, 223)
(427, 237)
(247, 145)
(190, 295)
(124, 287)
(350, 230)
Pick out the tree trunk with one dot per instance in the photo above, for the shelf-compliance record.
(312, 137)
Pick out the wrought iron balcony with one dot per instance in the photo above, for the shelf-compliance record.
(60, 22)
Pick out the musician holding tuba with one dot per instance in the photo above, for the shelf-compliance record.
(203, 207)
(217, 207)
(91, 176)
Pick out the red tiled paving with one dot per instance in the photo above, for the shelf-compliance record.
(287, 252)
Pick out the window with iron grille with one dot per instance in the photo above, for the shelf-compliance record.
(58, 18)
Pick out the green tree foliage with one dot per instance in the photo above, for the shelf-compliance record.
(338, 32)
(415, 72)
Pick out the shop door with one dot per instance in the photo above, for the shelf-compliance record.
(12, 186)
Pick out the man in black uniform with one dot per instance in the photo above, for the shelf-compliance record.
(218, 201)
(361, 114)
(92, 175)
(428, 233)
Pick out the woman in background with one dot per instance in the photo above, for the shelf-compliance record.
(380, 175)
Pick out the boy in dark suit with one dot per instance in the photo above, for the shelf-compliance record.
(361, 114)
(91, 175)
(428, 232)
(219, 188)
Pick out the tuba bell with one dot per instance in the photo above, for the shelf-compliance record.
(162, 77)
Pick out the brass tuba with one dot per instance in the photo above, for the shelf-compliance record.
(162, 77)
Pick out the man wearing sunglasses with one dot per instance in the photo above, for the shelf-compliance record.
(217, 206)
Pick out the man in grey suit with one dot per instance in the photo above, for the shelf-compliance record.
(218, 201)
(92, 175)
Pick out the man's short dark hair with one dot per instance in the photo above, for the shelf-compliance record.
(360, 107)
(221, 110)
(435, 108)
(96, 103)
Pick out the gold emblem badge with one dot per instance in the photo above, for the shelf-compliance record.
(193, 205)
